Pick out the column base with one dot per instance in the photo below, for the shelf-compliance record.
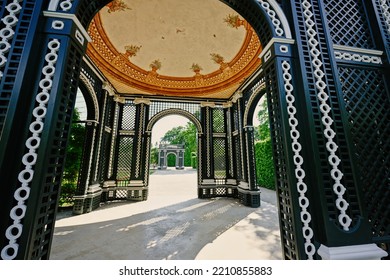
(134, 190)
(355, 252)
(212, 191)
(248, 197)
(88, 202)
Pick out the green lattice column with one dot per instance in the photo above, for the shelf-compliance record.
(207, 167)
(231, 170)
(87, 196)
(339, 218)
(137, 182)
(51, 44)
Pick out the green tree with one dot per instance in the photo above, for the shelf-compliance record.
(263, 149)
(74, 151)
(263, 130)
(154, 155)
(174, 136)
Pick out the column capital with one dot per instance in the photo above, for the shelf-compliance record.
(228, 104)
(81, 33)
(236, 96)
(141, 100)
(207, 104)
(108, 87)
(119, 99)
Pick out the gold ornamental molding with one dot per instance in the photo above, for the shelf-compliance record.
(126, 77)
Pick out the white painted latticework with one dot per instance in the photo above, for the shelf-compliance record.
(230, 142)
(7, 32)
(29, 160)
(327, 121)
(100, 135)
(298, 161)
(66, 5)
(208, 142)
(200, 178)
(241, 136)
(274, 19)
(148, 142)
(358, 57)
(386, 13)
(255, 91)
(141, 121)
(113, 139)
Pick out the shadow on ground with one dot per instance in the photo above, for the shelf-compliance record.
(176, 232)
(192, 229)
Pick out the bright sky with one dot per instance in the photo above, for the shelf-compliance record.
(81, 106)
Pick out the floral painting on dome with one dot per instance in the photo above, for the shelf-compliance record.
(117, 6)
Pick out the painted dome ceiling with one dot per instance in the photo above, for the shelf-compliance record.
(187, 48)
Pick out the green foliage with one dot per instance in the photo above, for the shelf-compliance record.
(171, 159)
(194, 160)
(67, 192)
(154, 155)
(174, 136)
(263, 150)
(265, 164)
(74, 151)
(263, 130)
(183, 135)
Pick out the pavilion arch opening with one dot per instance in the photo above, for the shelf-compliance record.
(74, 153)
(174, 150)
(181, 141)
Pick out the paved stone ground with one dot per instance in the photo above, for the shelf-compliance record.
(172, 224)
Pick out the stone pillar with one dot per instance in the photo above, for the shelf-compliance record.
(180, 159)
(162, 159)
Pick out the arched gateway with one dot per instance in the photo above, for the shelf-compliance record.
(328, 95)
(164, 150)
